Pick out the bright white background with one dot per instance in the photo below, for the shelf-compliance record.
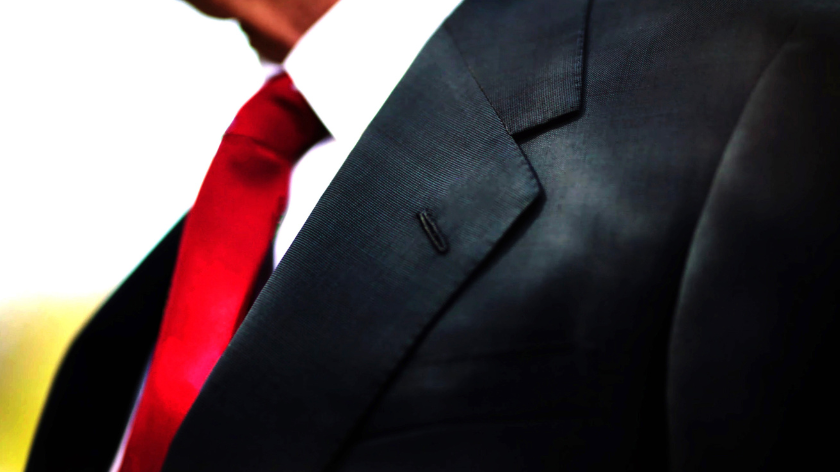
(110, 112)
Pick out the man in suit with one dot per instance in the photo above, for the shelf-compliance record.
(578, 235)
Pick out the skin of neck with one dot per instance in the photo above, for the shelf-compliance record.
(273, 26)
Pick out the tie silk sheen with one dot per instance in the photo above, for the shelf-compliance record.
(226, 237)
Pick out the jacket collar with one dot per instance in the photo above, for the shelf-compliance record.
(526, 56)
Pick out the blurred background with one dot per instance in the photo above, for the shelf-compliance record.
(110, 112)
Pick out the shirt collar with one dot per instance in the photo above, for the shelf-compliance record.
(347, 63)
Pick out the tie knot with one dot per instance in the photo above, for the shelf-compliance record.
(279, 118)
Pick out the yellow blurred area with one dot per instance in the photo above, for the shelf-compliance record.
(34, 335)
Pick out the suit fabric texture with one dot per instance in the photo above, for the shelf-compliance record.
(639, 207)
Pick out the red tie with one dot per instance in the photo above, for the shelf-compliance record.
(226, 237)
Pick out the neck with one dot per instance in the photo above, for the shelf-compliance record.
(274, 27)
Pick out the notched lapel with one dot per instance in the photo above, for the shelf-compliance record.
(362, 281)
(527, 56)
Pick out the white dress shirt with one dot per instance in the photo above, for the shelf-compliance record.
(346, 66)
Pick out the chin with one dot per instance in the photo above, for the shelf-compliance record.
(268, 48)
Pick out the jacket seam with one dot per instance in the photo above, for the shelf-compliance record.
(750, 97)
(445, 28)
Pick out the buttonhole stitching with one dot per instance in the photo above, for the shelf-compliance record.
(432, 230)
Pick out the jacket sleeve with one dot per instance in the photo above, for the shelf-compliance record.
(752, 355)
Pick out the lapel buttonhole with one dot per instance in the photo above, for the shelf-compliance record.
(432, 230)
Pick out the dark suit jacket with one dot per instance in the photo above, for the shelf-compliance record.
(628, 260)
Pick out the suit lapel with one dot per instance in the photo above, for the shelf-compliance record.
(434, 183)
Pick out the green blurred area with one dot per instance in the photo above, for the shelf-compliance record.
(34, 334)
